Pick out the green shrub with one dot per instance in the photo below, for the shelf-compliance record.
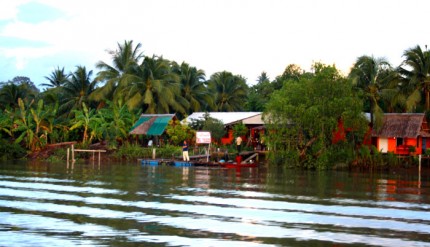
(10, 151)
(132, 151)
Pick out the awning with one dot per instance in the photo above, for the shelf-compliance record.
(151, 124)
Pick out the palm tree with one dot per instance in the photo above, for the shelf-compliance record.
(370, 75)
(193, 87)
(11, 91)
(154, 88)
(57, 78)
(259, 94)
(9, 95)
(230, 91)
(125, 61)
(77, 89)
(416, 69)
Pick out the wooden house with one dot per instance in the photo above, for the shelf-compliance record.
(402, 133)
(252, 120)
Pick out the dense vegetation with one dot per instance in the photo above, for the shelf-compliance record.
(302, 108)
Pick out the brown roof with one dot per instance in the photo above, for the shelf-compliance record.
(402, 125)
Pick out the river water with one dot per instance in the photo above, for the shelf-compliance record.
(49, 204)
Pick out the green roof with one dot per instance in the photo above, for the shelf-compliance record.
(151, 124)
(139, 122)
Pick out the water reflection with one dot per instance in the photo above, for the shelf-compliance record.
(125, 204)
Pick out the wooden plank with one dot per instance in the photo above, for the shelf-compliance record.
(249, 158)
(91, 151)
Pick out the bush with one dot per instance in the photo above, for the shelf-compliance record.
(10, 151)
(132, 151)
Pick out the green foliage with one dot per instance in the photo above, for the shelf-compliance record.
(303, 115)
(178, 132)
(83, 119)
(11, 151)
(132, 151)
(216, 127)
(115, 122)
(259, 94)
(239, 130)
(230, 91)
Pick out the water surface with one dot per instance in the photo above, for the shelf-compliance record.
(132, 205)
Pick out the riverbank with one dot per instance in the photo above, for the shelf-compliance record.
(134, 152)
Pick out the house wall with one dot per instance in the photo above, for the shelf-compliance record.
(383, 146)
(228, 139)
(391, 144)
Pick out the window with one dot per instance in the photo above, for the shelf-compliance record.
(399, 141)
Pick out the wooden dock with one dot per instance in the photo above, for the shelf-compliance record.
(213, 160)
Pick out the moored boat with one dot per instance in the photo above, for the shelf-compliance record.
(237, 165)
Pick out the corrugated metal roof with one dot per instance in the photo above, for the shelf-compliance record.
(151, 124)
(228, 117)
(158, 126)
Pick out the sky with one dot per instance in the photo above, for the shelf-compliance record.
(244, 37)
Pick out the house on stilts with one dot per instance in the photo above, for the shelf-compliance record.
(402, 134)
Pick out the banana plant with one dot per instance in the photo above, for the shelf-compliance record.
(6, 124)
(24, 125)
(83, 119)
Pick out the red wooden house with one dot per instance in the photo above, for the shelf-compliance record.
(252, 120)
(402, 133)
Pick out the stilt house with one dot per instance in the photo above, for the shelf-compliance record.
(403, 134)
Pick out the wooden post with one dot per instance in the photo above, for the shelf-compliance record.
(419, 172)
(153, 153)
(68, 155)
(73, 153)
(419, 164)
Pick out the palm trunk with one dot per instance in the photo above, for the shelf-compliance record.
(427, 99)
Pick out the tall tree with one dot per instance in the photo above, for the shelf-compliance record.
(154, 88)
(292, 72)
(259, 93)
(19, 87)
(369, 75)
(301, 118)
(77, 89)
(56, 79)
(193, 87)
(230, 91)
(416, 69)
(125, 60)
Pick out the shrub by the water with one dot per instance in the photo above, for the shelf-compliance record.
(10, 151)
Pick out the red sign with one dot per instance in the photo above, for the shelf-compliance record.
(203, 137)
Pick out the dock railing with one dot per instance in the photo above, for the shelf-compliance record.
(94, 151)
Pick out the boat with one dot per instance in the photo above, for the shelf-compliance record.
(237, 165)
(150, 162)
(182, 163)
(166, 162)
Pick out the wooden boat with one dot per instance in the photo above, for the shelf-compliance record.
(237, 165)
(150, 162)
(180, 163)
(166, 162)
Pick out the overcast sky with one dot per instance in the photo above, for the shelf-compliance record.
(245, 37)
